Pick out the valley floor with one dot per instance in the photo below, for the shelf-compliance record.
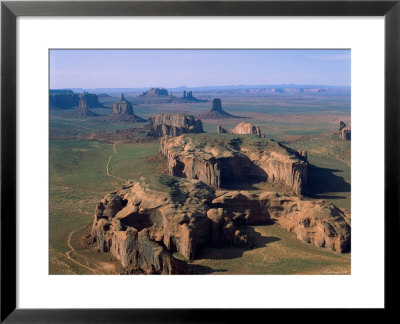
(82, 172)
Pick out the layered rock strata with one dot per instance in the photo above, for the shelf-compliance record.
(241, 128)
(218, 159)
(173, 125)
(142, 227)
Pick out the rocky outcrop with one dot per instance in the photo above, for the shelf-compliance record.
(219, 159)
(344, 131)
(241, 128)
(83, 108)
(143, 228)
(173, 125)
(122, 110)
(221, 130)
(318, 222)
(217, 112)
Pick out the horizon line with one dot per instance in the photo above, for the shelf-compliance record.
(209, 86)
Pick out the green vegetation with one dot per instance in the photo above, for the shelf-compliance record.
(78, 180)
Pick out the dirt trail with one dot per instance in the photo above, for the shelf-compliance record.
(108, 164)
(92, 264)
(67, 254)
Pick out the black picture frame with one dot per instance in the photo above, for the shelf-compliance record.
(10, 10)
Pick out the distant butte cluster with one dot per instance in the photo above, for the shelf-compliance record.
(188, 97)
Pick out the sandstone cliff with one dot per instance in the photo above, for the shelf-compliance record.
(173, 125)
(241, 128)
(218, 159)
(142, 227)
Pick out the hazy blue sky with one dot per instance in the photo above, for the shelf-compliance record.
(174, 68)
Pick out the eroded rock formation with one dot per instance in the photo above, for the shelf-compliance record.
(218, 159)
(173, 125)
(142, 227)
(217, 112)
(122, 110)
(318, 222)
(188, 97)
(83, 108)
(344, 131)
(241, 128)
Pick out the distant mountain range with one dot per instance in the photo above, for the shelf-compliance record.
(207, 88)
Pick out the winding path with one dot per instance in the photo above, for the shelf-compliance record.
(108, 164)
(72, 250)
(67, 254)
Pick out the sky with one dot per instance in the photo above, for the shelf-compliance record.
(192, 68)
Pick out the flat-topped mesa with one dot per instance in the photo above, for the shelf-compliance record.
(142, 227)
(217, 112)
(173, 125)
(83, 108)
(241, 128)
(219, 160)
(344, 131)
(67, 99)
(123, 110)
(155, 92)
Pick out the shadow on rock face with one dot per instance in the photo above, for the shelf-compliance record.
(257, 239)
(324, 180)
(226, 252)
(200, 269)
(247, 184)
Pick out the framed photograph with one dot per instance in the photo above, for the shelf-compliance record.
(193, 155)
